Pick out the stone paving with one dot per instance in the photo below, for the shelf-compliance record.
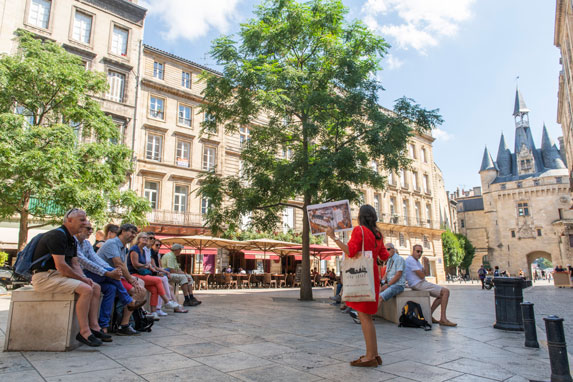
(271, 336)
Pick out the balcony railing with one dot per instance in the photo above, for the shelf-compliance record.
(175, 218)
(412, 221)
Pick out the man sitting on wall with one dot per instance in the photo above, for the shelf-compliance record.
(61, 273)
(417, 281)
(395, 278)
(170, 264)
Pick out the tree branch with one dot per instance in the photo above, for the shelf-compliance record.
(278, 204)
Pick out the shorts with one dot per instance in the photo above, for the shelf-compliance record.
(434, 289)
(391, 291)
(179, 278)
(53, 282)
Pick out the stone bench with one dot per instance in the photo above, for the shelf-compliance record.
(391, 310)
(41, 321)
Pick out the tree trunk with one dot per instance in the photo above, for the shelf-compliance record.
(23, 232)
(305, 285)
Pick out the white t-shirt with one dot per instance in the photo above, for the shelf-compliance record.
(413, 265)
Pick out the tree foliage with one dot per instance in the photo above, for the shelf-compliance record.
(57, 148)
(469, 251)
(303, 79)
(458, 250)
(452, 250)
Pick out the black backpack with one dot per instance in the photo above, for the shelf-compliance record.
(138, 319)
(412, 317)
(141, 322)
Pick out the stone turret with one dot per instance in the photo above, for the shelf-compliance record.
(488, 171)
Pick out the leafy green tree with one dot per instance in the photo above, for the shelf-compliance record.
(543, 263)
(303, 79)
(469, 251)
(452, 250)
(57, 148)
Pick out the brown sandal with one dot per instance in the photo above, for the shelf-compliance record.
(180, 310)
(378, 359)
(360, 363)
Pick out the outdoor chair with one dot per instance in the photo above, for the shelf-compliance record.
(282, 281)
(246, 281)
(229, 282)
(268, 280)
(220, 280)
(204, 282)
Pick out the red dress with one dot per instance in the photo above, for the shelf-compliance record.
(378, 251)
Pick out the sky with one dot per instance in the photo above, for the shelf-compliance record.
(464, 57)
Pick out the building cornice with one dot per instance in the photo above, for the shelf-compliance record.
(125, 9)
(150, 83)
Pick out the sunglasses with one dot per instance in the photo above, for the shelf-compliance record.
(418, 251)
(389, 249)
(70, 212)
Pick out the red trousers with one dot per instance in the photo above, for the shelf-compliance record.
(154, 286)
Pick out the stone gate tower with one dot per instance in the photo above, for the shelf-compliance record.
(525, 200)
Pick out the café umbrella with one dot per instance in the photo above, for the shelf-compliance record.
(201, 242)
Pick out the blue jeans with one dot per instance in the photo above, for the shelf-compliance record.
(338, 288)
(391, 291)
(109, 289)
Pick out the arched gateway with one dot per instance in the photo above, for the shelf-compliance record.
(534, 255)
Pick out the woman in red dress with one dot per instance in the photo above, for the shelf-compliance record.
(373, 241)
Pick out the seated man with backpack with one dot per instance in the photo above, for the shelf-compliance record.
(56, 269)
(109, 280)
(417, 281)
(395, 278)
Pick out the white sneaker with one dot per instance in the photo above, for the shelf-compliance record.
(153, 316)
(161, 313)
(171, 305)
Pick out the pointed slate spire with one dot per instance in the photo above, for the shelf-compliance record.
(546, 141)
(487, 162)
(549, 152)
(520, 106)
(503, 158)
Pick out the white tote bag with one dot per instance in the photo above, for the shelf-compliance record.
(358, 277)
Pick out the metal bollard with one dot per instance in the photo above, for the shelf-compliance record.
(529, 325)
(557, 349)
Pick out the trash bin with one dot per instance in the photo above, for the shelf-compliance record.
(508, 299)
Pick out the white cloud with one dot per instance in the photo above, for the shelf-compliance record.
(442, 135)
(392, 62)
(421, 24)
(192, 19)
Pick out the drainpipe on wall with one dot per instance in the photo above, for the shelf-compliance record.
(137, 80)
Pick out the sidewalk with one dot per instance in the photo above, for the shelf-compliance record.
(271, 336)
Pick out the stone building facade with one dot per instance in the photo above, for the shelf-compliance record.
(171, 154)
(107, 36)
(154, 98)
(523, 212)
(563, 39)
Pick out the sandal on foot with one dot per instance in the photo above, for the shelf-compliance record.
(447, 323)
(362, 363)
(180, 310)
(434, 321)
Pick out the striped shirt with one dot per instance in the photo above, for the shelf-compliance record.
(89, 260)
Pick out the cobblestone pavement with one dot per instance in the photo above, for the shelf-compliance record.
(271, 336)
